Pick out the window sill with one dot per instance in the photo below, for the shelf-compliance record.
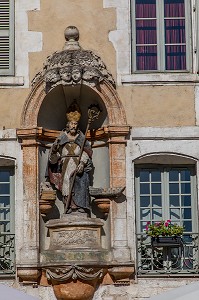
(159, 79)
(10, 81)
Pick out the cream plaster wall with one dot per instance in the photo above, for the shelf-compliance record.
(155, 106)
(144, 105)
(93, 21)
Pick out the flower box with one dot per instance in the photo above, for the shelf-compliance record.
(166, 241)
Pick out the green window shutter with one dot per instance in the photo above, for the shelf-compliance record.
(6, 37)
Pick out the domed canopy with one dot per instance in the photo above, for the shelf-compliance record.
(74, 65)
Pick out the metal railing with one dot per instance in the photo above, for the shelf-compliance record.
(180, 259)
(7, 254)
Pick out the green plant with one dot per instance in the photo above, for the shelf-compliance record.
(163, 228)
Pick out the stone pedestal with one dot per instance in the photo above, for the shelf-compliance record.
(74, 237)
(75, 259)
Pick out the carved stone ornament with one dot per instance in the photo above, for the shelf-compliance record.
(74, 65)
(74, 282)
(73, 272)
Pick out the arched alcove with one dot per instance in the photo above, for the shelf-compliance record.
(38, 100)
(52, 112)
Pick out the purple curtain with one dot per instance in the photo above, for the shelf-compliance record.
(175, 54)
(146, 33)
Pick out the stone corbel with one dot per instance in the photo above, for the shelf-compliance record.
(122, 275)
(28, 275)
(103, 197)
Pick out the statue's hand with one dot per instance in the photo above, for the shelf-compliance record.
(55, 148)
(80, 167)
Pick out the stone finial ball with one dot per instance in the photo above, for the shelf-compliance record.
(71, 33)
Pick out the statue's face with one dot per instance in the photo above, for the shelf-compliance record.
(72, 126)
(76, 74)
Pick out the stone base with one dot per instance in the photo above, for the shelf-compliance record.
(74, 238)
(75, 290)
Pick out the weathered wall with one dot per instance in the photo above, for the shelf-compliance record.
(144, 105)
(158, 106)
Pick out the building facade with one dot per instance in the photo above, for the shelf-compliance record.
(141, 69)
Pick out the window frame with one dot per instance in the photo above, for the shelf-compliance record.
(160, 41)
(164, 179)
(8, 237)
(10, 32)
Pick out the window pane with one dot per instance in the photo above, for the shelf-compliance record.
(4, 176)
(175, 57)
(144, 201)
(173, 175)
(145, 8)
(155, 175)
(186, 200)
(188, 226)
(146, 57)
(144, 175)
(186, 213)
(4, 188)
(143, 226)
(174, 201)
(145, 214)
(156, 214)
(156, 201)
(185, 175)
(174, 214)
(174, 31)
(156, 188)
(146, 32)
(174, 188)
(4, 201)
(185, 188)
(144, 188)
(5, 214)
(174, 8)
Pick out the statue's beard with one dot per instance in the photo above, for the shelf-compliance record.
(73, 131)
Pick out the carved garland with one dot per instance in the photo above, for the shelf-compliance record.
(73, 272)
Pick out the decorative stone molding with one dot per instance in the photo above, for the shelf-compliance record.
(73, 272)
(73, 65)
(74, 282)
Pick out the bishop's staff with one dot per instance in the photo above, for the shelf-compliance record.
(93, 114)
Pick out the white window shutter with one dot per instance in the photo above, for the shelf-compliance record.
(6, 37)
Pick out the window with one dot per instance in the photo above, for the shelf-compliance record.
(6, 37)
(6, 221)
(164, 193)
(161, 35)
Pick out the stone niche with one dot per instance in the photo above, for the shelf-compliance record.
(74, 252)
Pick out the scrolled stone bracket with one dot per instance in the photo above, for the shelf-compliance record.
(73, 272)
